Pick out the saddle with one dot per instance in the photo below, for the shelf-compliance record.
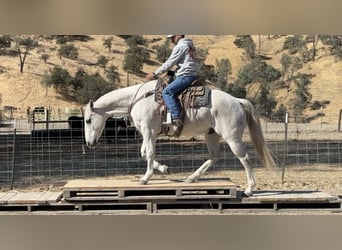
(195, 96)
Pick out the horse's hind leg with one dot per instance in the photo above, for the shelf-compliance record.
(239, 149)
(213, 146)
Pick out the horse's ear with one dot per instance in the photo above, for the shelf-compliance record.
(91, 104)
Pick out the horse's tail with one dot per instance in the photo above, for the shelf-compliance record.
(262, 149)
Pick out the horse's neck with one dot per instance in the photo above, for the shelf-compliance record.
(121, 99)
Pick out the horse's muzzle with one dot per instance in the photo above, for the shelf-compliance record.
(91, 145)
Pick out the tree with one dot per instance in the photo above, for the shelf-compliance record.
(102, 62)
(293, 43)
(279, 114)
(62, 39)
(163, 51)
(302, 95)
(205, 72)
(335, 43)
(23, 45)
(93, 86)
(60, 79)
(266, 73)
(237, 90)
(257, 71)
(297, 44)
(223, 70)
(5, 41)
(314, 40)
(107, 42)
(246, 75)
(135, 55)
(285, 62)
(136, 40)
(81, 88)
(45, 81)
(112, 74)
(246, 42)
(290, 65)
(134, 58)
(68, 51)
(77, 81)
(44, 57)
(265, 102)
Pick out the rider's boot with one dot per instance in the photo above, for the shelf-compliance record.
(178, 125)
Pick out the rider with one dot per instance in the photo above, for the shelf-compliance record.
(182, 55)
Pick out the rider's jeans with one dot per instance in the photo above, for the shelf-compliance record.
(171, 92)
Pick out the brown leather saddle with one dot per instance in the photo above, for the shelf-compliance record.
(195, 96)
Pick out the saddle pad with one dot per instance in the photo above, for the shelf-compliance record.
(192, 97)
(203, 100)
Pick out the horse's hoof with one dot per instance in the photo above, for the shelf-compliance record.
(165, 169)
(248, 193)
(190, 180)
(143, 182)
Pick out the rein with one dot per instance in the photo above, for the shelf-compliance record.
(145, 95)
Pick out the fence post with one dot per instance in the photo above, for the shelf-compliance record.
(14, 153)
(46, 117)
(285, 147)
(339, 122)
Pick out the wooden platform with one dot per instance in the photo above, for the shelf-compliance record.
(292, 199)
(14, 197)
(110, 190)
(173, 195)
(14, 200)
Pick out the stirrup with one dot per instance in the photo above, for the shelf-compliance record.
(179, 129)
(168, 119)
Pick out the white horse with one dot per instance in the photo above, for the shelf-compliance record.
(225, 118)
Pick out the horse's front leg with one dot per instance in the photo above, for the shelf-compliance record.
(160, 167)
(156, 165)
(148, 150)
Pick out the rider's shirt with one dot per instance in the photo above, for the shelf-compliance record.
(183, 55)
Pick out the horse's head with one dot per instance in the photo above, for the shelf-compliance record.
(94, 123)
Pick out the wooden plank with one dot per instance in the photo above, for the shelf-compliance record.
(289, 196)
(80, 198)
(52, 197)
(118, 206)
(34, 198)
(186, 205)
(104, 184)
(27, 198)
(5, 196)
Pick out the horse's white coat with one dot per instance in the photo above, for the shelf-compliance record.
(227, 116)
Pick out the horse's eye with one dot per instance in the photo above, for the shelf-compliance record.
(88, 121)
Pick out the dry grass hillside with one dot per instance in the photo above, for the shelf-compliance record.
(22, 90)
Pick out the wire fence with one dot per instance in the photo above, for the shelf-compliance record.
(53, 153)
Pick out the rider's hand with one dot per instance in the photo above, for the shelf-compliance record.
(150, 77)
